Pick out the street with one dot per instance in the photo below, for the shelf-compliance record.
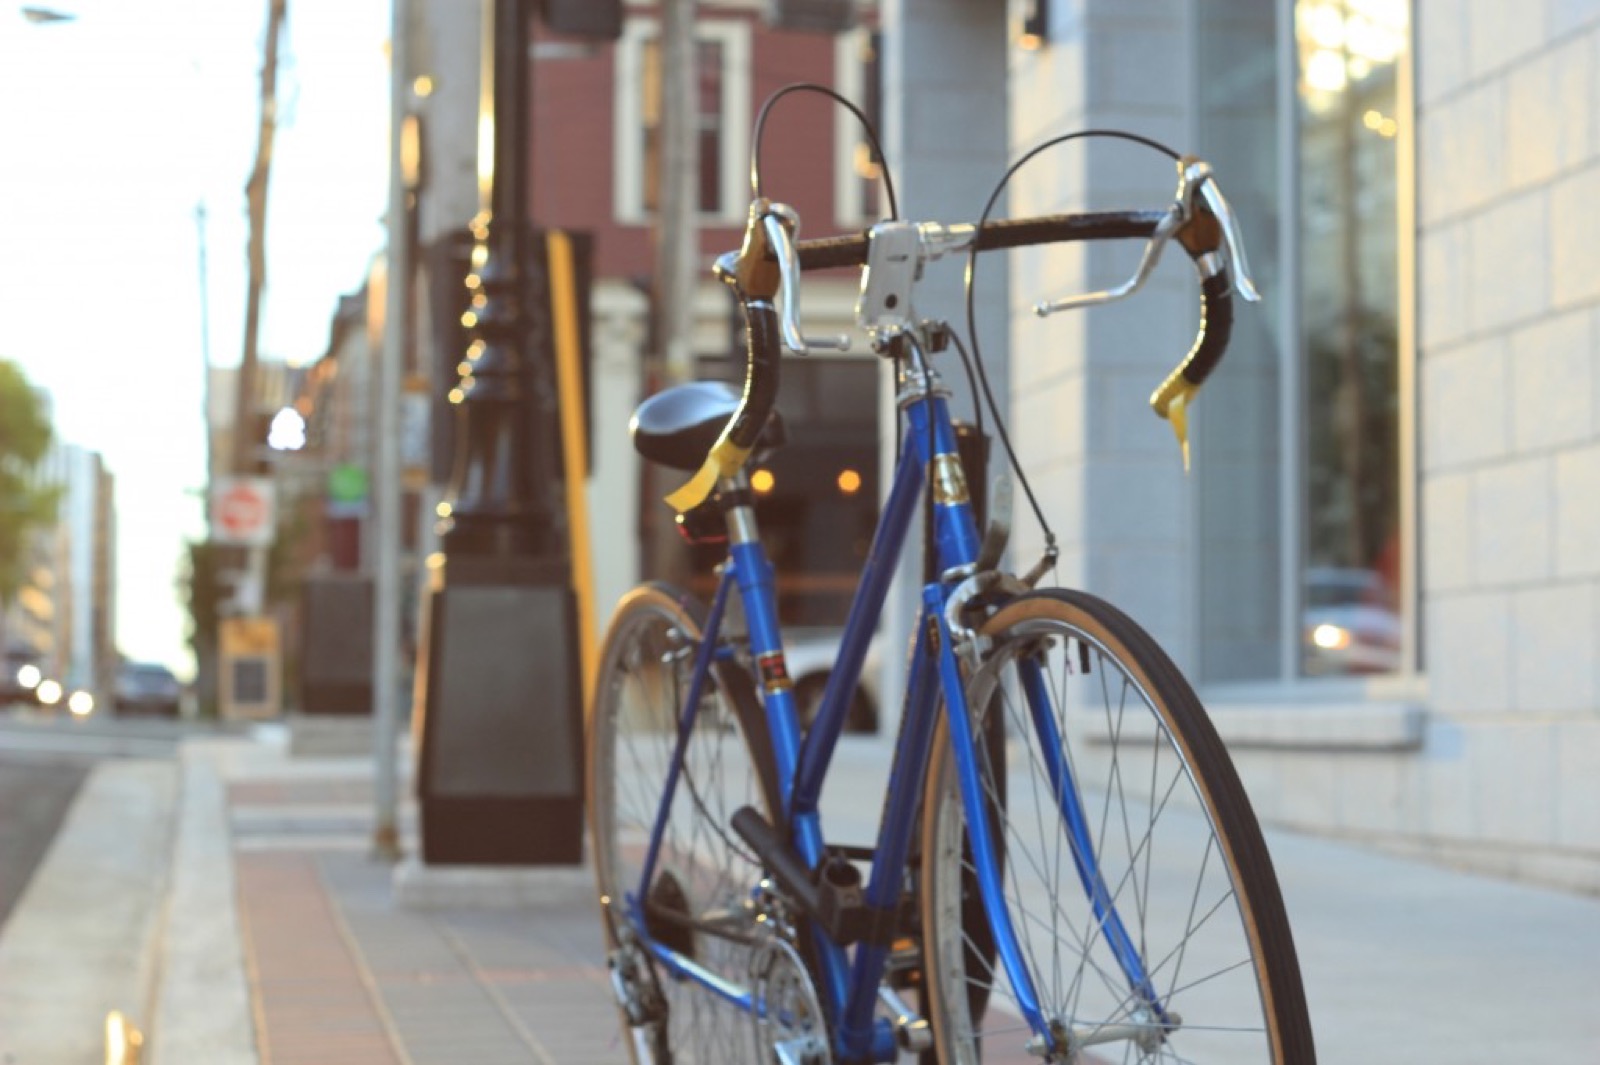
(34, 797)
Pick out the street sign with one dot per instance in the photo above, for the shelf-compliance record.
(347, 491)
(243, 511)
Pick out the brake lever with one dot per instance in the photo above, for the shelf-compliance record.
(1175, 217)
(1196, 176)
(1234, 237)
(780, 222)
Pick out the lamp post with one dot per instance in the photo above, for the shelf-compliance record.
(494, 508)
(498, 776)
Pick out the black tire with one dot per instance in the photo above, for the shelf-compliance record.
(862, 717)
(704, 872)
(1172, 836)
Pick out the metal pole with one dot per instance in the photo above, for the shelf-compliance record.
(205, 353)
(244, 428)
(386, 465)
(677, 237)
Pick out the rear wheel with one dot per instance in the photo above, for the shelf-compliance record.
(1153, 928)
(698, 901)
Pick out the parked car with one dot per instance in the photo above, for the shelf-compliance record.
(1352, 624)
(20, 677)
(810, 656)
(147, 687)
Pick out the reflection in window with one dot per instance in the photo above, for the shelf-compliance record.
(1336, 539)
(1348, 124)
(858, 78)
(817, 494)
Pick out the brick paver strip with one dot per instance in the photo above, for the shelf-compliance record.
(312, 790)
(311, 1001)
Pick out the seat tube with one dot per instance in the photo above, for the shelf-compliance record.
(758, 592)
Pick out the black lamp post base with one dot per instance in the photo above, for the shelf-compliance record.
(500, 830)
(500, 719)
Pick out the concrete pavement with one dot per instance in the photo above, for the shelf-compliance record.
(227, 904)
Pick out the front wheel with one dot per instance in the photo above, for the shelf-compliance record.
(1145, 908)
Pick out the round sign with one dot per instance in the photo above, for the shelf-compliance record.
(243, 512)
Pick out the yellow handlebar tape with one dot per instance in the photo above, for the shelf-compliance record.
(724, 461)
(1171, 401)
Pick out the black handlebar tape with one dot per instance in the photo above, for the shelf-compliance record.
(1054, 229)
(1216, 327)
(828, 253)
(761, 375)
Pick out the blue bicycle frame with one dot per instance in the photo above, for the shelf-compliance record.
(848, 984)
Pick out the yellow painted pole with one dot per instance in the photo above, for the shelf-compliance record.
(574, 431)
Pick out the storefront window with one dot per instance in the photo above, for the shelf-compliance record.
(1349, 308)
(1309, 408)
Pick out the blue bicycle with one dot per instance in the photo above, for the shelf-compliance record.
(1066, 867)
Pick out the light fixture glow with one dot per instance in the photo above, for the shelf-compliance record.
(29, 676)
(849, 481)
(762, 481)
(49, 692)
(81, 703)
(287, 431)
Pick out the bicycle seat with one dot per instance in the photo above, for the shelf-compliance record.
(677, 426)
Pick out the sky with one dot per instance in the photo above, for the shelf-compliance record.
(114, 126)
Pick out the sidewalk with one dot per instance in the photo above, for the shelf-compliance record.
(228, 905)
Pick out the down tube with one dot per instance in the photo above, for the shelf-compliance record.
(865, 609)
(895, 830)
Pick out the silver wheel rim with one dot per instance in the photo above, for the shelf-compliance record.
(1193, 937)
(634, 736)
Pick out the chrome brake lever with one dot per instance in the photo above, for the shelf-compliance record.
(1153, 248)
(1195, 176)
(1234, 237)
(789, 284)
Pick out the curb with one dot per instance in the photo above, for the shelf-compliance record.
(203, 1011)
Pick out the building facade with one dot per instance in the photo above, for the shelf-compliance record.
(592, 142)
(83, 577)
(1382, 570)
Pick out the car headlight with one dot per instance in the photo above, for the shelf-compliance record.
(1330, 637)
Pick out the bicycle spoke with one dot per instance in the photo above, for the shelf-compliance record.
(1151, 889)
(636, 730)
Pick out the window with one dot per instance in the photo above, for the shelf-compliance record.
(1306, 547)
(722, 80)
(858, 74)
(817, 495)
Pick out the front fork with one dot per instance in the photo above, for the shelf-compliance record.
(1055, 1037)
